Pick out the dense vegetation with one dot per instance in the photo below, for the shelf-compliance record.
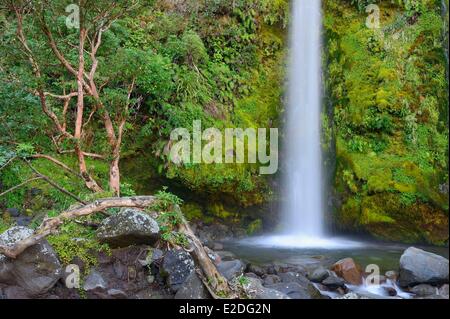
(164, 63)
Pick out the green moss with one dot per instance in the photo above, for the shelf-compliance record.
(255, 227)
(75, 241)
(387, 89)
(192, 211)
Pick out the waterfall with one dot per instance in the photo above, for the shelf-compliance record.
(302, 180)
(302, 209)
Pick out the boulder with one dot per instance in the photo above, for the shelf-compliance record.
(294, 277)
(231, 269)
(423, 290)
(128, 227)
(293, 290)
(271, 279)
(349, 271)
(176, 267)
(254, 289)
(319, 275)
(192, 288)
(421, 267)
(333, 282)
(258, 270)
(36, 270)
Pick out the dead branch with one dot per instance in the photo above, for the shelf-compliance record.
(57, 162)
(8, 162)
(217, 282)
(51, 225)
(54, 184)
(213, 280)
(20, 185)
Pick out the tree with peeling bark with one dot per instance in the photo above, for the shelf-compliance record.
(80, 70)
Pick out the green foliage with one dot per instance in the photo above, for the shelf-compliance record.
(389, 103)
(75, 241)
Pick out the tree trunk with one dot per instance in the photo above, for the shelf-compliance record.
(114, 176)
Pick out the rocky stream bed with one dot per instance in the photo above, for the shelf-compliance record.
(140, 266)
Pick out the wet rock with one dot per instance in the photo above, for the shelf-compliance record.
(293, 290)
(390, 291)
(215, 258)
(294, 277)
(258, 270)
(13, 212)
(352, 295)
(117, 294)
(226, 255)
(94, 281)
(271, 280)
(128, 227)
(23, 221)
(319, 275)
(231, 269)
(333, 282)
(392, 275)
(192, 288)
(176, 267)
(36, 270)
(420, 267)
(254, 289)
(443, 291)
(423, 290)
(15, 292)
(348, 270)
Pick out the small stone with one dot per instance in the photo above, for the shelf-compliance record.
(443, 291)
(390, 291)
(392, 275)
(94, 281)
(117, 294)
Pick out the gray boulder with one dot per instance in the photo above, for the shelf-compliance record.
(176, 267)
(421, 267)
(334, 282)
(423, 290)
(36, 270)
(128, 227)
(254, 290)
(443, 291)
(231, 269)
(319, 275)
(271, 280)
(192, 288)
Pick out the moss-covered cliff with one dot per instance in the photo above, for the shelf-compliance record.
(390, 116)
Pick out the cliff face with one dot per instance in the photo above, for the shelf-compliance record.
(389, 106)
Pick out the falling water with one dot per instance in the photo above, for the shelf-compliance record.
(303, 207)
(302, 211)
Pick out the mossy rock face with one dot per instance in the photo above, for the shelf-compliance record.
(255, 227)
(388, 94)
(383, 216)
(192, 211)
